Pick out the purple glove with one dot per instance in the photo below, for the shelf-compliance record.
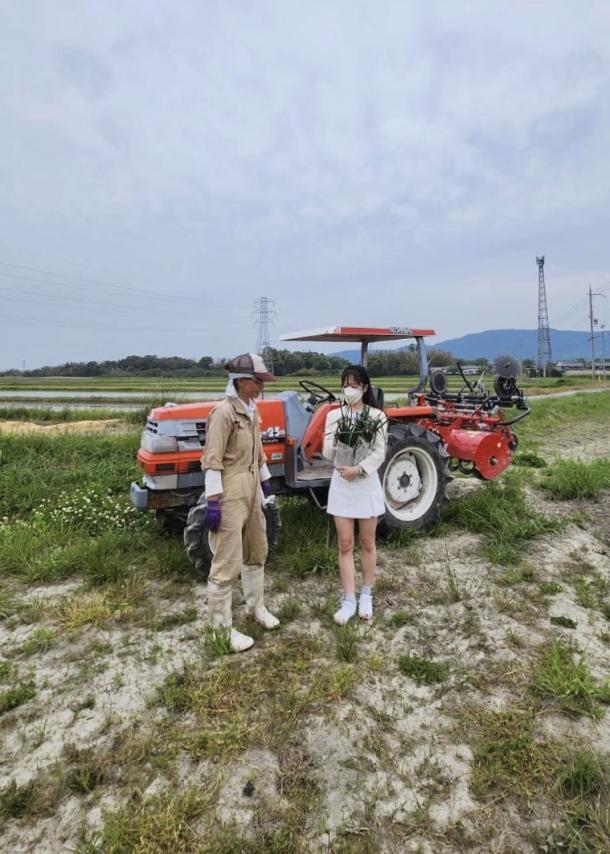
(213, 515)
(266, 487)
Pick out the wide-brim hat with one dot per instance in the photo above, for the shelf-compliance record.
(250, 363)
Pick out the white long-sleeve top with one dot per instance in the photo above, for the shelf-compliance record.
(375, 459)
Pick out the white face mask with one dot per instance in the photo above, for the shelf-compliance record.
(352, 395)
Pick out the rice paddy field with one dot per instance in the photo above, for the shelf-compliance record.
(99, 391)
(472, 714)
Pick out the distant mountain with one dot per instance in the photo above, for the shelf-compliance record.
(521, 343)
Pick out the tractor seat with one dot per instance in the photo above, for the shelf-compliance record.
(377, 394)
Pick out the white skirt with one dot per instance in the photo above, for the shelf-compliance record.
(361, 498)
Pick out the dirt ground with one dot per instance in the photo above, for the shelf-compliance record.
(102, 426)
(391, 761)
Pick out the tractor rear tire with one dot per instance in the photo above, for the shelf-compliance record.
(414, 476)
(173, 520)
(196, 540)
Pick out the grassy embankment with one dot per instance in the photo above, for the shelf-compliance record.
(64, 517)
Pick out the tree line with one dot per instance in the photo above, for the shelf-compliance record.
(285, 363)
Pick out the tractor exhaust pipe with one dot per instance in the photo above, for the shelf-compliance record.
(423, 367)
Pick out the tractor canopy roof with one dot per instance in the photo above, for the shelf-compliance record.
(363, 334)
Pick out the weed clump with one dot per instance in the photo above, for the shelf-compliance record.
(306, 544)
(506, 756)
(568, 479)
(585, 774)
(400, 618)
(422, 670)
(550, 587)
(529, 459)
(501, 514)
(347, 640)
(19, 694)
(558, 676)
(242, 702)
(41, 640)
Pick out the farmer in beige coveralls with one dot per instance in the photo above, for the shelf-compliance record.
(236, 479)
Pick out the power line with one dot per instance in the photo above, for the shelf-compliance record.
(80, 302)
(100, 284)
(39, 321)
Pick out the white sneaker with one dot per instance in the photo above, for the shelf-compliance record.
(345, 612)
(365, 606)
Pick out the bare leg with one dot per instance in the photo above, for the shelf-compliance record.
(345, 537)
(368, 549)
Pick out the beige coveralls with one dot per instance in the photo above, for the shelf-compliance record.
(233, 447)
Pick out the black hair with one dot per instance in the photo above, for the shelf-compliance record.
(361, 375)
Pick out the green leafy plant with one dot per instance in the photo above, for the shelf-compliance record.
(422, 670)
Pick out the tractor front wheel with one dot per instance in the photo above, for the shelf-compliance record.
(196, 540)
(414, 476)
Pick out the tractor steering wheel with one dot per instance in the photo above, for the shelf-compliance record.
(315, 396)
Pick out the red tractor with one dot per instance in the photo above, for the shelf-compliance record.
(436, 432)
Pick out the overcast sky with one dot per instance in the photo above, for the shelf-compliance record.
(163, 164)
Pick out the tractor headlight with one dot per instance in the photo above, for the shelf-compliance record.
(158, 444)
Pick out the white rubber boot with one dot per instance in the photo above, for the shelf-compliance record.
(219, 616)
(253, 583)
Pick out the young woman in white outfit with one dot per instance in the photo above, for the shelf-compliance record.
(355, 493)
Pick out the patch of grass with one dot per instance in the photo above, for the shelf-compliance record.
(387, 584)
(119, 601)
(347, 640)
(585, 829)
(422, 670)
(507, 758)
(550, 587)
(585, 774)
(35, 466)
(41, 640)
(565, 622)
(182, 823)
(569, 479)
(6, 670)
(217, 642)
(8, 605)
(307, 541)
(400, 618)
(549, 417)
(561, 677)
(529, 459)
(16, 801)
(499, 512)
(74, 613)
(289, 610)
(250, 700)
(519, 575)
(180, 618)
(86, 770)
(19, 694)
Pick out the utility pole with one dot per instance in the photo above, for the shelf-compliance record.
(544, 335)
(603, 331)
(264, 313)
(592, 324)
